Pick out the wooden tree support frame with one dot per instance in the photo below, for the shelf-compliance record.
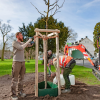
(54, 32)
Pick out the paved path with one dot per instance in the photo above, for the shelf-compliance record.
(86, 63)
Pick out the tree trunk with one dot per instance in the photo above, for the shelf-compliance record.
(3, 49)
(47, 21)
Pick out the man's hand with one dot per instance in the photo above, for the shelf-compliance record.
(34, 38)
(53, 74)
(30, 39)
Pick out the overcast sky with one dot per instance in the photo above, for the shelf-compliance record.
(79, 15)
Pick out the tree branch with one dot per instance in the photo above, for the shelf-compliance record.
(46, 2)
(38, 10)
(57, 8)
(8, 29)
(44, 20)
(7, 32)
(55, 12)
(54, 3)
(62, 4)
(1, 31)
(9, 37)
(6, 40)
(3, 28)
(52, 7)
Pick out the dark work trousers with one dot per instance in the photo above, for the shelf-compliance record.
(18, 71)
(68, 68)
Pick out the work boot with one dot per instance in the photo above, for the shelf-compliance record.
(21, 94)
(66, 91)
(14, 98)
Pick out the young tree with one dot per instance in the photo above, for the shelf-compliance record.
(72, 36)
(5, 29)
(50, 7)
(54, 8)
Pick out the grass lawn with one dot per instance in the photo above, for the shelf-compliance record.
(81, 73)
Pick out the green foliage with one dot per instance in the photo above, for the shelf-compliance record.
(52, 24)
(96, 35)
(27, 31)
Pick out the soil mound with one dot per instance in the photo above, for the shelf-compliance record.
(79, 91)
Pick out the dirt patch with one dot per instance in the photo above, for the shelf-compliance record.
(79, 91)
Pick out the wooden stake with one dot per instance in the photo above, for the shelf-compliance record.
(36, 66)
(58, 69)
(45, 61)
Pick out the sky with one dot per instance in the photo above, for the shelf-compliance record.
(79, 15)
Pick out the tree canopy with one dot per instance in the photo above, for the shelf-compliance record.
(28, 31)
(96, 34)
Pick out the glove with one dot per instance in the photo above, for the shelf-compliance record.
(32, 42)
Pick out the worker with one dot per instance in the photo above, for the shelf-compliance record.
(49, 54)
(66, 63)
(18, 66)
(49, 59)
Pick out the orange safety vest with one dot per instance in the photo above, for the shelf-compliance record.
(64, 60)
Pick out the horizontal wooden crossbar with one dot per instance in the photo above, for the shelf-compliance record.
(47, 30)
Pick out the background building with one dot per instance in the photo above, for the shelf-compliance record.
(88, 44)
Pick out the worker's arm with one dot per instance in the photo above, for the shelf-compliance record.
(25, 44)
(20, 47)
(30, 44)
(62, 70)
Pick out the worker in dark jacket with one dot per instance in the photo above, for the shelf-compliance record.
(49, 59)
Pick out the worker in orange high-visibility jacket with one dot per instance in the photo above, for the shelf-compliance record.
(66, 63)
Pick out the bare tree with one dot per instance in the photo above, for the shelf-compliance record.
(72, 37)
(5, 29)
(50, 7)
